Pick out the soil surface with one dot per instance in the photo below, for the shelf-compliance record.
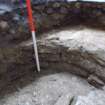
(51, 86)
(44, 89)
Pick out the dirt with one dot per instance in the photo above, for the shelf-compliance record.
(44, 89)
(47, 87)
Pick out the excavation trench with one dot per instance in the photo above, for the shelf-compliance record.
(71, 57)
(64, 55)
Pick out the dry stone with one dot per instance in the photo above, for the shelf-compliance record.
(79, 50)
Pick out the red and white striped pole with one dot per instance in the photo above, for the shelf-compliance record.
(33, 31)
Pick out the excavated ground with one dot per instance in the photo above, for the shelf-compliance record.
(65, 54)
(47, 89)
(55, 85)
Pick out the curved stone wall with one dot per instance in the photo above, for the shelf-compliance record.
(16, 60)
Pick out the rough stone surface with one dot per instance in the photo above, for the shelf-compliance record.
(83, 49)
(64, 99)
(51, 88)
(76, 53)
(4, 25)
(91, 99)
(49, 16)
(96, 81)
(78, 49)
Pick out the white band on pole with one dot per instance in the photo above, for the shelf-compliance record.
(36, 50)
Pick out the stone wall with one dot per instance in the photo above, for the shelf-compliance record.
(48, 17)
(16, 60)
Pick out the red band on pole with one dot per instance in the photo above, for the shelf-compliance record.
(30, 17)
